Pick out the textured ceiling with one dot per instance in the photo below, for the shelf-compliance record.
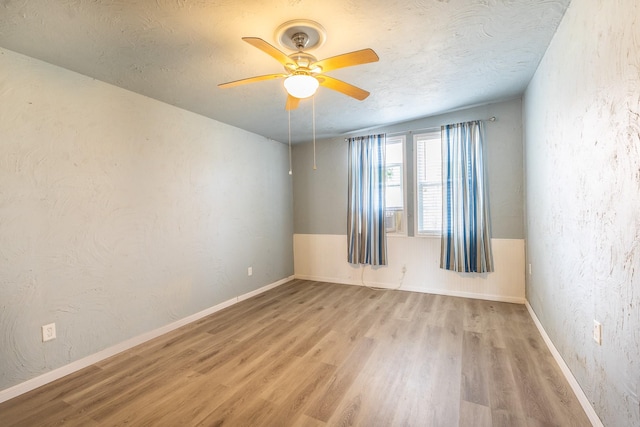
(435, 55)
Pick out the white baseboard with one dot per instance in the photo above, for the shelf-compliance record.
(264, 288)
(324, 279)
(582, 398)
(487, 297)
(58, 373)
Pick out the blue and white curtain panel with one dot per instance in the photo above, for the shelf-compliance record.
(466, 233)
(365, 216)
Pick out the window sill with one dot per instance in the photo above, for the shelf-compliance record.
(428, 236)
(396, 234)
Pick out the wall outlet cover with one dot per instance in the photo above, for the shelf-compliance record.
(48, 332)
(597, 332)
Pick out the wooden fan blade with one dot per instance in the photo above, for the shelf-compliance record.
(358, 57)
(273, 51)
(292, 103)
(342, 87)
(251, 80)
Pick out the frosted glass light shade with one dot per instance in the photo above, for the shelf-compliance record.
(301, 86)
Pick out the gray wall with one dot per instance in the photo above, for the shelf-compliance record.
(320, 196)
(582, 144)
(120, 214)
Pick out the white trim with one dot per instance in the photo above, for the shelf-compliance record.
(487, 297)
(325, 279)
(582, 398)
(265, 288)
(58, 373)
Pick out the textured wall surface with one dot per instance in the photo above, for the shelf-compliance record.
(320, 196)
(120, 214)
(582, 132)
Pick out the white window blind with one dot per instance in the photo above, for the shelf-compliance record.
(394, 185)
(427, 148)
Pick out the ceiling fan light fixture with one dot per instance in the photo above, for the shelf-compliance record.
(301, 86)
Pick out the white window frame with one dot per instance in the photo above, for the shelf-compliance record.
(416, 204)
(399, 139)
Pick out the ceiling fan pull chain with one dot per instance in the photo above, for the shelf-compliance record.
(290, 172)
(313, 103)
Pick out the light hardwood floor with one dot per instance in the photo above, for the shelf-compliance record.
(322, 354)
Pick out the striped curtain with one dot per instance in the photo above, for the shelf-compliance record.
(466, 234)
(367, 240)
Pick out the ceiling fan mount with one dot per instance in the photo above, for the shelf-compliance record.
(300, 40)
(301, 31)
(303, 72)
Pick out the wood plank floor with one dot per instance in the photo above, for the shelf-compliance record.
(321, 354)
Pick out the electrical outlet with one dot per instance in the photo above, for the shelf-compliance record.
(597, 332)
(250, 271)
(48, 332)
(529, 269)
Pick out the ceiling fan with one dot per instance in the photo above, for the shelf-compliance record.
(303, 73)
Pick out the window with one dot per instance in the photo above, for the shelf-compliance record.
(427, 150)
(394, 189)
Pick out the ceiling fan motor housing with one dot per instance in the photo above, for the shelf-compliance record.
(303, 60)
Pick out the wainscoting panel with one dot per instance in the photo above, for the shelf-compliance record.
(414, 265)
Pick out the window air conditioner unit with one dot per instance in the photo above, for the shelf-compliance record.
(391, 221)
